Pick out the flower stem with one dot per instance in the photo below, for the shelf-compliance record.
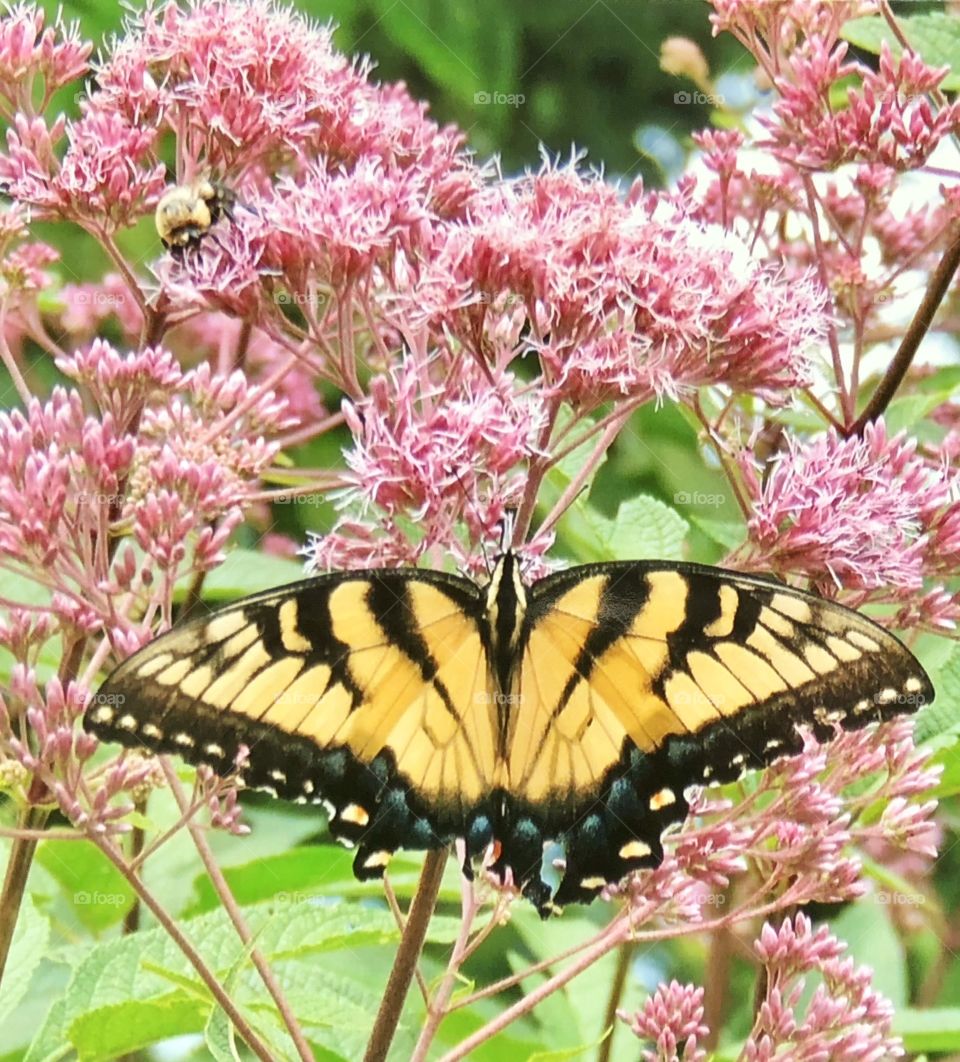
(615, 934)
(617, 985)
(209, 978)
(411, 944)
(919, 326)
(230, 905)
(437, 1007)
(15, 881)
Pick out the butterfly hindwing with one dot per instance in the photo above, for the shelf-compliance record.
(345, 689)
(640, 679)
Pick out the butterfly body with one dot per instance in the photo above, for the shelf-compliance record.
(421, 707)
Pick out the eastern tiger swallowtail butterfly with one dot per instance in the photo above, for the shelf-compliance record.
(419, 707)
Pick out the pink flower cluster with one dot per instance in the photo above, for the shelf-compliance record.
(868, 514)
(844, 1020)
(622, 298)
(673, 1019)
(796, 832)
(889, 120)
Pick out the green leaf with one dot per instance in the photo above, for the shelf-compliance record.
(336, 1011)
(935, 37)
(568, 1052)
(30, 940)
(726, 533)
(515, 1042)
(309, 872)
(944, 382)
(872, 942)
(644, 528)
(109, 1032)
(906, 411)
(140, 971)
(949, 759)
(942, 717)
(930, 1029)
(220, 1037)
(245, 571)
(98, 893)
(562, 474)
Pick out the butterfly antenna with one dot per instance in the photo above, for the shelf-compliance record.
(468, 504)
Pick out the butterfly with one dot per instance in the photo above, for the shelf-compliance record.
(419, 706)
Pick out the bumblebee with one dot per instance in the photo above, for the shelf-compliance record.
(186, 212)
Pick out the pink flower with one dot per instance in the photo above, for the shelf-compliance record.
(30, 163)
(339, 225)
(225, 273)
(673, 1019)
(888, 120)
(29, 52)
(849, 512)
(843, 1021)
(438, 444)
(623, 299)
(121, 384)
(226, 341)
(108, 173)
(249, 78)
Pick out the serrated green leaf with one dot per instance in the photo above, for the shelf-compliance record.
(934, 36)
(30, 939)
(141, 968)
(643, 529)
(336, 1011)
(942, 717)
(930, 1029)
(49, 1045)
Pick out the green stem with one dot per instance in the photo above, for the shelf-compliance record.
(624, 958)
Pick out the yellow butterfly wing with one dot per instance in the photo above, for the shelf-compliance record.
(363, 691)
(640, 679)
